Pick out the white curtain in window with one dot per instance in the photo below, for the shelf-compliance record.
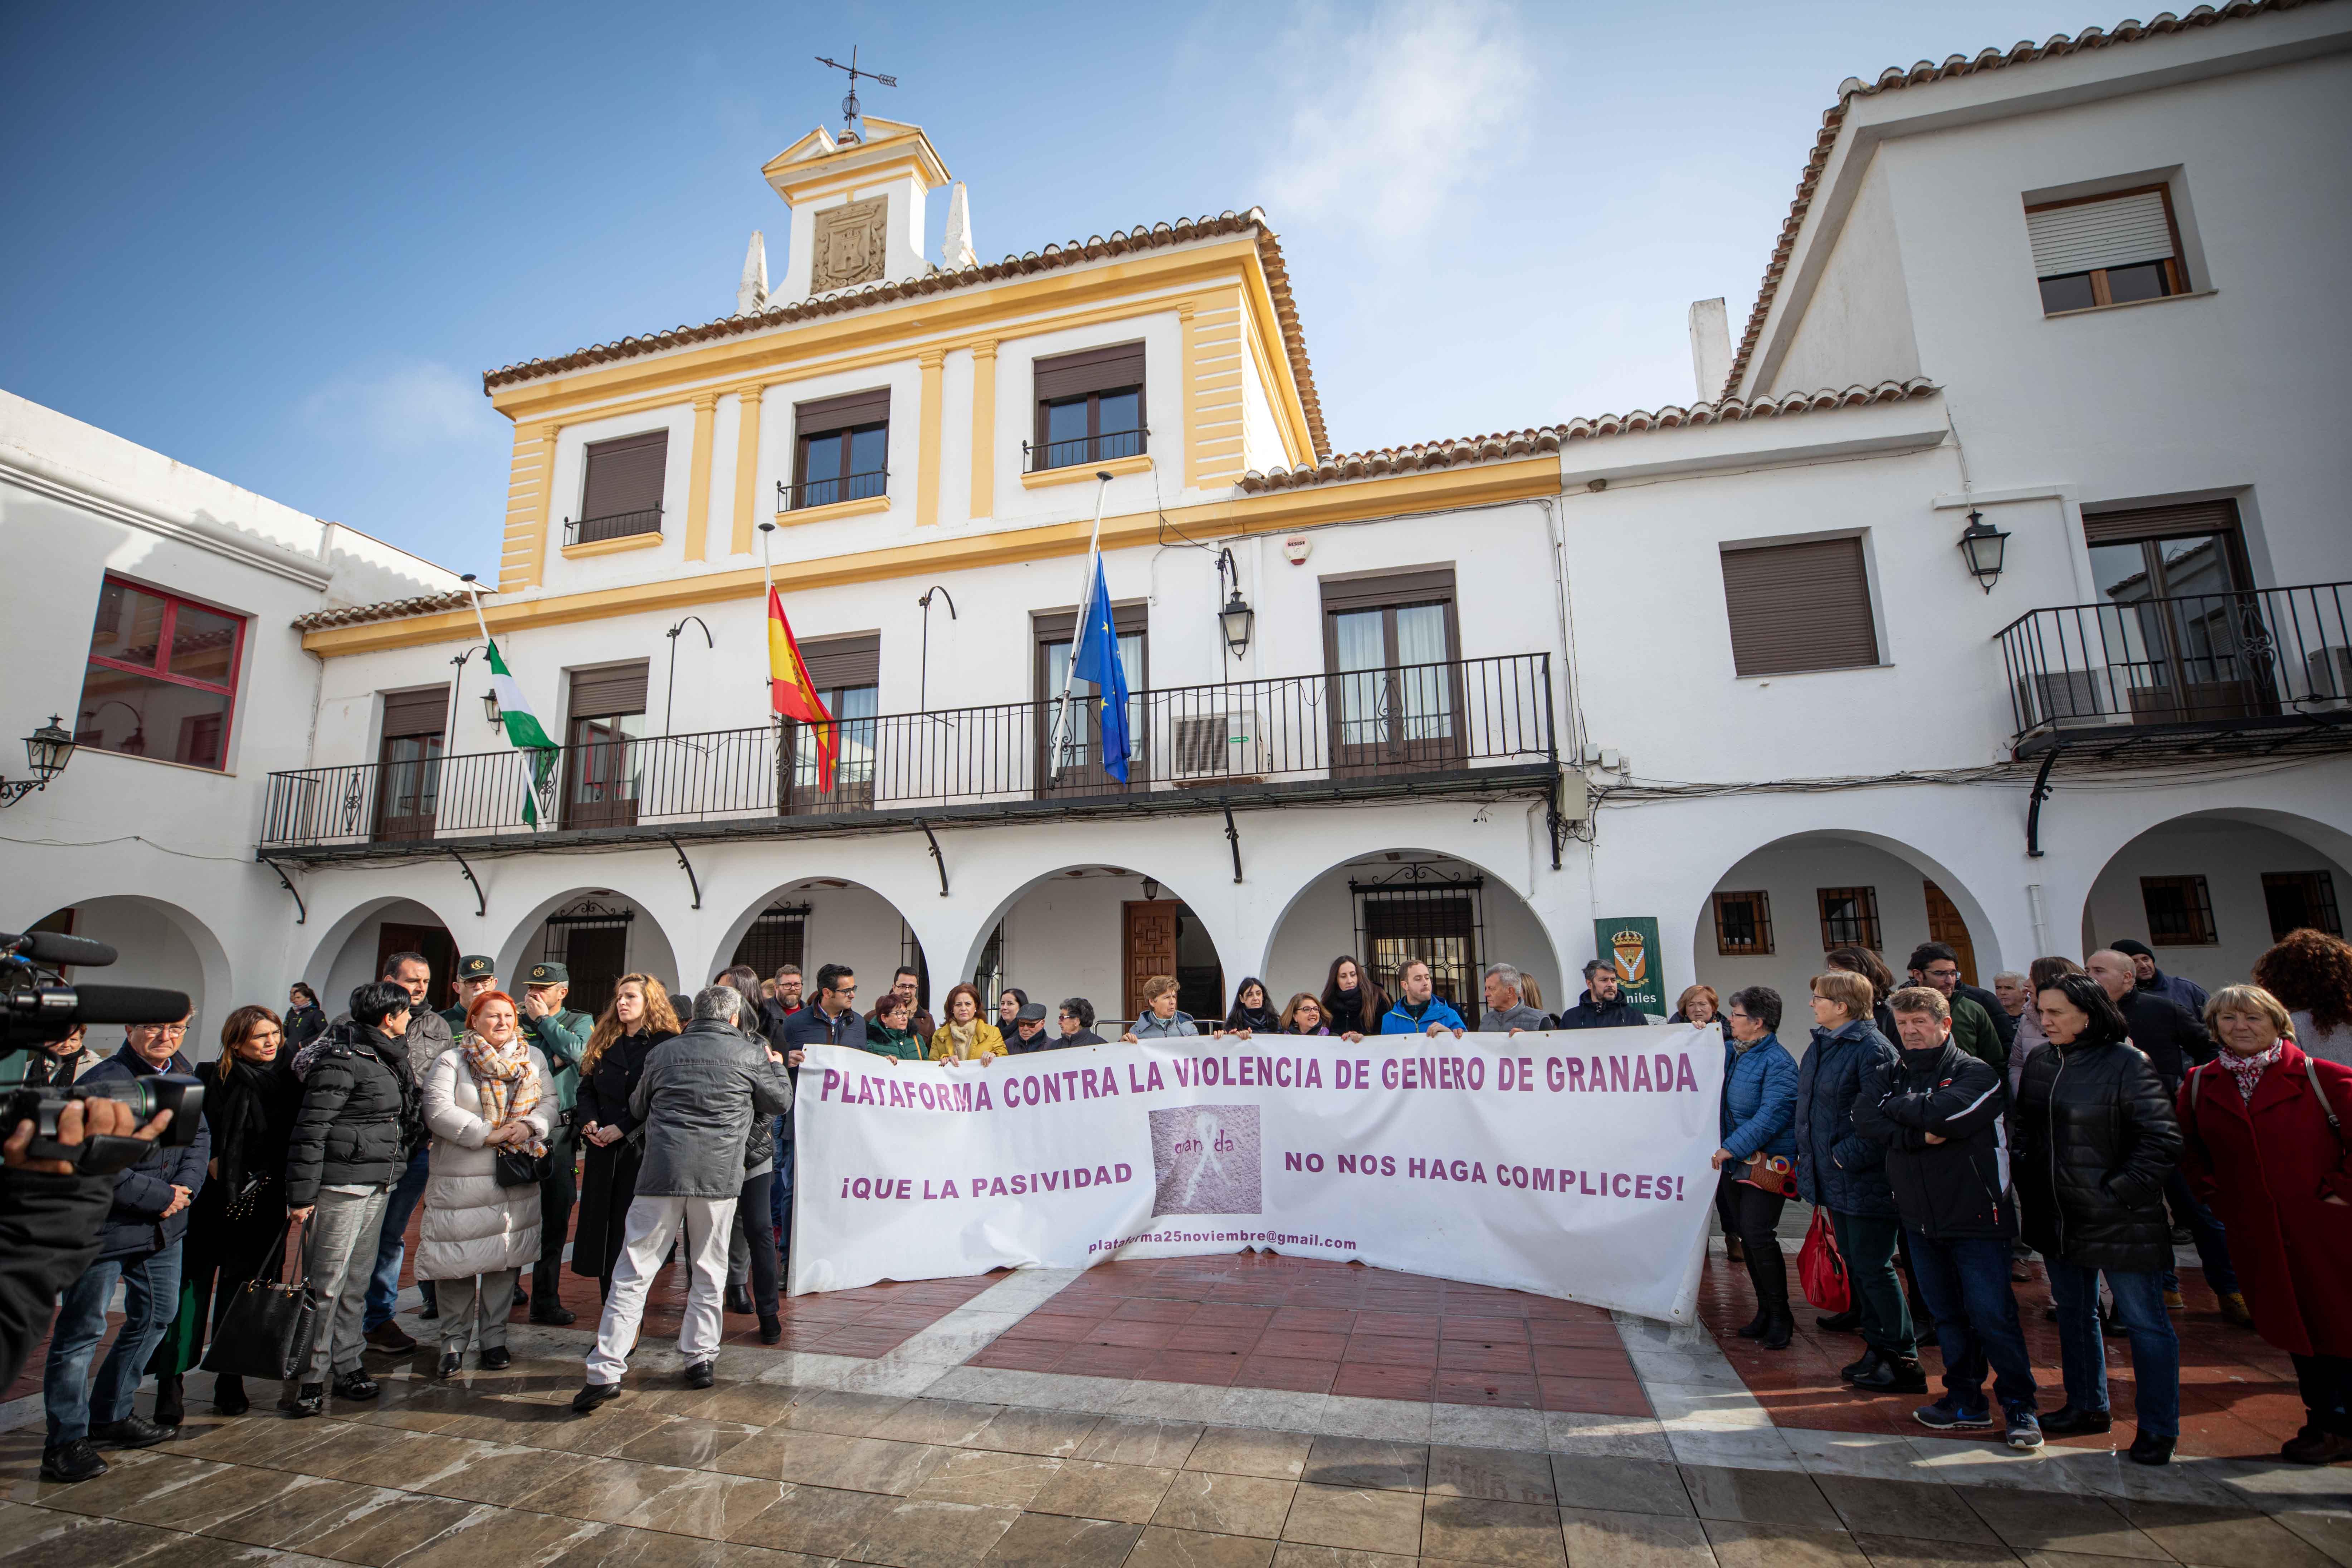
(1423, 693)
(1362, 645)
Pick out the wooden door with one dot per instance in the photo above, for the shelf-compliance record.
(440, 951)
(1149, 947)
(1945, 925)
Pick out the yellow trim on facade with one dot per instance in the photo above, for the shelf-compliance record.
(983, 503)
(798, 192)
(747, 467)
(927, 438)
(698, 476)
(1073, 473)
(1048, 302)
(522, 564)
(830, 510)
(612, 546)
(1278, 511)
(832, 154)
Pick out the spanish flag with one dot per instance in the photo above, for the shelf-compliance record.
(792, 694)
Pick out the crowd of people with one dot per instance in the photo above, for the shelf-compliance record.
(2096, 1114)
(1941, 1132)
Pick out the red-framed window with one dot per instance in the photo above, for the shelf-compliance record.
(162, 678)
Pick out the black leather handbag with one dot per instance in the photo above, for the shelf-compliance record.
(270, 1325)
(516, 1169)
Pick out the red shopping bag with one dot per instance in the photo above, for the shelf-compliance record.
(1821, 1269)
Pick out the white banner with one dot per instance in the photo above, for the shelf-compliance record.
(1573, 1164)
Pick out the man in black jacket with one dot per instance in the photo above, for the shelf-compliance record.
(2175, 1041)
(1599, 1008)
(1938, 1111)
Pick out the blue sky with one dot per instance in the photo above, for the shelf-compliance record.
(281, 242)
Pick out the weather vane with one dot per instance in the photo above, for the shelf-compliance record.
(849, 112)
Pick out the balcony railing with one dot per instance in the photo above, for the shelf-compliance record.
(1361, 732)
(2217, 661)
(1069, 454)
(617, 525)
(824, 492)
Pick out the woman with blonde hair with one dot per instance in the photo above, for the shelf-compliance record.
(1698, 1006)
(639, 1017)
(2262, 1141)
(966, 1035)
(489, 1098)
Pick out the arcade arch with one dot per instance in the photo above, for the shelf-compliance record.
(2209, 890)
(161, 944)
(1099, 930)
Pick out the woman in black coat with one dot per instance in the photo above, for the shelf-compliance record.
(251, 1098)
(2097, 1137)
(1252, 1012)
(1353, 1002)
(638, 1018)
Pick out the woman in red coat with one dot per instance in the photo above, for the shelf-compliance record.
(2268, 1151)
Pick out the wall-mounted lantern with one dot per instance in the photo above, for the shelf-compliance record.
(1983, 545)
(47, 750)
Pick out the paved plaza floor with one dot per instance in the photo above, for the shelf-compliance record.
(1238, 1412)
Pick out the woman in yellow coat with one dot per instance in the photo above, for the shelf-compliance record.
(966, 1035)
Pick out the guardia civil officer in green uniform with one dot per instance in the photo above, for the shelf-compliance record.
(475, 975)
(561, 1035)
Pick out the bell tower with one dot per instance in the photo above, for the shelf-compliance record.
(857, 206)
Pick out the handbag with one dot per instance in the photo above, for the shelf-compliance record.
(1820, 1267)
(1768, 1172)
(515, 1168)
(270, 1325)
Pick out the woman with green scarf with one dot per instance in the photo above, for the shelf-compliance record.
(887, 1032)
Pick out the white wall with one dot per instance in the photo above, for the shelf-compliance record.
(1857, 325)
(2231, 856)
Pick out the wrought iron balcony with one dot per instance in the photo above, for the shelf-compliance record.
(2259, 660)
(617, 525)
(824, 492)
(1080, 450)
(1480, 724)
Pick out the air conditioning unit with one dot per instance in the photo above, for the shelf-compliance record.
(2073, 699)
(2327, 674)
(1217, 745)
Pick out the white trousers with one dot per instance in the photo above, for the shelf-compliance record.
(653, 1224)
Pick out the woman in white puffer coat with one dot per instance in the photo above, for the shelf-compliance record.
(489, 1093)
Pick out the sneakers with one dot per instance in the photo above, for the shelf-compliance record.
(2309, 1446)
(2234, 1310)
(1893, 1375)
(1947, 1414)
(391, 1337)
(70, 1462)
(2067, 1421)
(702, 1375)
(593, 1394)
(2149, 1449)
(132, 1432)
(356, 1385)
(2024, 1430)
(495, 1358)
(311, 1399)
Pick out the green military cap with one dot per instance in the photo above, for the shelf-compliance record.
(547, 975)
(476, 966)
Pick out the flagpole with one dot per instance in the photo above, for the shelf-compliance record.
(1086, 611)
(474, 598)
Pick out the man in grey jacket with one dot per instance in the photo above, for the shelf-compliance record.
(696, 1101)
(1507, 1013)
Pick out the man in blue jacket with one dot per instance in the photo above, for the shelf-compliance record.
(1418, 1011)
(141, 1246)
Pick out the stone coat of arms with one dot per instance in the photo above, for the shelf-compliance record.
(847, 247)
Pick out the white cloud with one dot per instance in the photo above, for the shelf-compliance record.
(410, 405)
(1397, 110)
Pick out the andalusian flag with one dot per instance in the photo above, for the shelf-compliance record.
(792, 694)
(523, 729)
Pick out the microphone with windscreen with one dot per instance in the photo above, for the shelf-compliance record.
(56, 947)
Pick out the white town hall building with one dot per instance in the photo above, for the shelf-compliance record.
(1725, 667)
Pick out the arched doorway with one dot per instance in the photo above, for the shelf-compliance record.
(1773, 916)
(353, 950)
(598, 934)
(1100, 932)
(2211, 891)
(1391, 905)
(811, 921)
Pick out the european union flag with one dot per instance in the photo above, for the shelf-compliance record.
(1096, 659)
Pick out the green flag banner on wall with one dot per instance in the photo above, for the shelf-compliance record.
(1631, 943)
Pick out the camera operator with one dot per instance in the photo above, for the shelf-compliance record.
(49, 1220)
(141, 1246)
(53, 1064)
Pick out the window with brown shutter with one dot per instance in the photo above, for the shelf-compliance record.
(841, 448)
(408, 781)
(1797, 607)
(2112, 250)
(853, 660)
(623, 491)
(1089, 406)
(425, 711)
(604, 721)
(603, 693)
